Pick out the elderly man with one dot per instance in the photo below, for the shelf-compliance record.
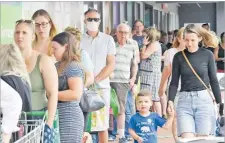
(101, 49)
(125, 72)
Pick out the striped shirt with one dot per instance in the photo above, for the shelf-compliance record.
(124, 57)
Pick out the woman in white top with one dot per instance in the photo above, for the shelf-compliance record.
(178, 45)
(11, 106)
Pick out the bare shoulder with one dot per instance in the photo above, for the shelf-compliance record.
(46, 63)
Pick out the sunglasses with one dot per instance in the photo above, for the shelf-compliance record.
(25, 21)
(93, 19)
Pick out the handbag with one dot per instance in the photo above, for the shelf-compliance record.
(91, 100)
(210, 92)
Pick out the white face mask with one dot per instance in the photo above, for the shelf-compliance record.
(92, 26)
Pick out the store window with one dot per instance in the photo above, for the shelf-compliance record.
(148, 15)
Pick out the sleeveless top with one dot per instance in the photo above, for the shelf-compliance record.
(39, 99)
(220, 64)
(153, 62)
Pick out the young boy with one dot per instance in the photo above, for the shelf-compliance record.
(143, 125)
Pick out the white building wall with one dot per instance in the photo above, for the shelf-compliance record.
(63, 14)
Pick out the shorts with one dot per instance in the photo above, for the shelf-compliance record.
(195, 113)
(121, 90)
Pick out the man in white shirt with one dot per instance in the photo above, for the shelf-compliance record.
(11, 106)
(101, 49)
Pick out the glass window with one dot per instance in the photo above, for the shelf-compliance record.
(156, 17)
(130, 13)
(116, 14)
(148, 13)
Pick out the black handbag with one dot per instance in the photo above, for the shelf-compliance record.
(91, 101)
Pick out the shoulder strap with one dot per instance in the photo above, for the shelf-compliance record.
(189, 64)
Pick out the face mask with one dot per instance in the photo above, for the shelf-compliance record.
(92, 26)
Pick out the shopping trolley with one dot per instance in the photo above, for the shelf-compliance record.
(30, 131)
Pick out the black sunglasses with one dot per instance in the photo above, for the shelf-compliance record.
(93, 19)
(25, 21)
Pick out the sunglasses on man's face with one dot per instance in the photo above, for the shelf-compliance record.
(93, 19)
(25, 21)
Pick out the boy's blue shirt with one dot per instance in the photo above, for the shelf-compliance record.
(146, 127)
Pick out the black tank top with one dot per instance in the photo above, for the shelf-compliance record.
(220, 64)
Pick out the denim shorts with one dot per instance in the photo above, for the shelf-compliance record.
(195, 113)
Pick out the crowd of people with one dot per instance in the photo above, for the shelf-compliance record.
(148, 69)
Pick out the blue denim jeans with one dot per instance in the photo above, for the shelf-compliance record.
(195, 113)
(129, 111)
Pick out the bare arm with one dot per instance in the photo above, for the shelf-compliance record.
(170, 111)
(165, 75)
(148, 51)
(133, 134)
(169, 122)
(89, 79)
(134, 69)
(50, 77)
(107, 70)
(75, 90)
(215, 52)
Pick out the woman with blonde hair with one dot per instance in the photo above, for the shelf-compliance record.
(71, 85)
(45, 30)
(150, 66)
(42, 73)
(15, 89)
(196, 116)
(178, 45)
(84, 57)
(13, 72)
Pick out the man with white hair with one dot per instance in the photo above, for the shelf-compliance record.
(125, 71)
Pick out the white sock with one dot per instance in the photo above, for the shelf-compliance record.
(121, 133)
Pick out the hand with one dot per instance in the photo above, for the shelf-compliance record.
(111, 75)
(134, 89)
(96, 80)
(132, 80)
(140, 140)
(49, 123)
(170, 108)
(145, 41)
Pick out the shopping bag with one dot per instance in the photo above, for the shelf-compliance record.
(97, 119)
(114, 103)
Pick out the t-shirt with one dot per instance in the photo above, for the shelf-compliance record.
(204, 64)
(98, 49)
(86, 61)
(72, 69)
(146, 127)
(139, 40)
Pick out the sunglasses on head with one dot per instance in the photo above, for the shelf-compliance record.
(93, 19)
(25, 21)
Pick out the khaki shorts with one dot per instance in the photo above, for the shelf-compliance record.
(121, 90)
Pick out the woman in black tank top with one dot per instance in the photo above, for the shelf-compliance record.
(219, 54)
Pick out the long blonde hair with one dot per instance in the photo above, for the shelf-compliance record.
(12, 61)
(152, 34)
(180, 34)
(209, 39)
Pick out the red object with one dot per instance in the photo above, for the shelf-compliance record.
(164, 6)
(221, 71)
